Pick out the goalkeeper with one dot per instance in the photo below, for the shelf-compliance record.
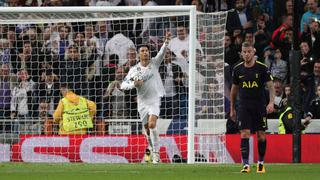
(74, 113)
(146, 79)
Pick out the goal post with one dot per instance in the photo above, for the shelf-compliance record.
(202, 65)
(192, 88)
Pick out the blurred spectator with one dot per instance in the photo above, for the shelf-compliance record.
(93, 51)
(27, 60)
(219, 5)
(284, 8)
(231, 55)
(15, 3)
(279, 67)
(314, 109)
(44, 116)
(131, 95)
(262, 36)
(312, 13)
(212, 103)
(36, 127)
(114, 98)
(21, 98)
(312, 37)
(32, 34)
(148, 23)
(309, 84)
(4, 51)
(3, 3)
(180, 44)
(282, 37)
(73, 70)
(278, 97)
(64, 40)
(268, 56)
(7, 81)
(47, 41)
(261, 7)
(289, 7)
(240, 18)
(316, 72)
(285, 101)
(118, 45)
(198, 4)
(131, 59)
(12, 38)
(307, 59)
(102, 34)
(108, 72)
(248, 37)
(79, 40)
(278, 88)
(172, 78)
(49, 91)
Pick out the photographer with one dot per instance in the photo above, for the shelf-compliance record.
(307, 58)
(262, 36)
(312, 37)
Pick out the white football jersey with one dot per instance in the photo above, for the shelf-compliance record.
(152, 88)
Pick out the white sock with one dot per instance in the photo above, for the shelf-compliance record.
(260, 162)
(154, 136)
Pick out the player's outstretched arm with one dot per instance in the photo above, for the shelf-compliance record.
(233, 95)
(158, 59)
(270, 107)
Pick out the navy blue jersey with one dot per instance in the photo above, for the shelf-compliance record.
(251, 81)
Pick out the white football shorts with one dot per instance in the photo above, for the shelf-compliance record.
(148, 109)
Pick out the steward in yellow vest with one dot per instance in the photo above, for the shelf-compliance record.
(286, 123)
(74, 113)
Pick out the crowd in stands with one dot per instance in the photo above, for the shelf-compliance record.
(95, 56)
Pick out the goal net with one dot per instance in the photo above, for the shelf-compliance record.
(91, 50)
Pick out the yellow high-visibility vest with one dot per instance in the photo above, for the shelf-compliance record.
(282, 129)
(76, 116)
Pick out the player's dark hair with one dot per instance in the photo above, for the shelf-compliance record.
(144, 45)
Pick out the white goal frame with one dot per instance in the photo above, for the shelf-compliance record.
(191, 10)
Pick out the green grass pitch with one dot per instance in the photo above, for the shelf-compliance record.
(25, 171)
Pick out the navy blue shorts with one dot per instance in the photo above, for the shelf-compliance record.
(253, 118)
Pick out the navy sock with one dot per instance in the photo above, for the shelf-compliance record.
(262, 146)
(245, 150)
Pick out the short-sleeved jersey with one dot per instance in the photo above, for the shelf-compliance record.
(251, 82)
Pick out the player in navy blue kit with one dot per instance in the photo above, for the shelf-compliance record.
(250, 78)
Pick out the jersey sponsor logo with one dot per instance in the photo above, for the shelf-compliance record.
(249, 84)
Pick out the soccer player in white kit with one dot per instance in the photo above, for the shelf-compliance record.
(146, 79)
